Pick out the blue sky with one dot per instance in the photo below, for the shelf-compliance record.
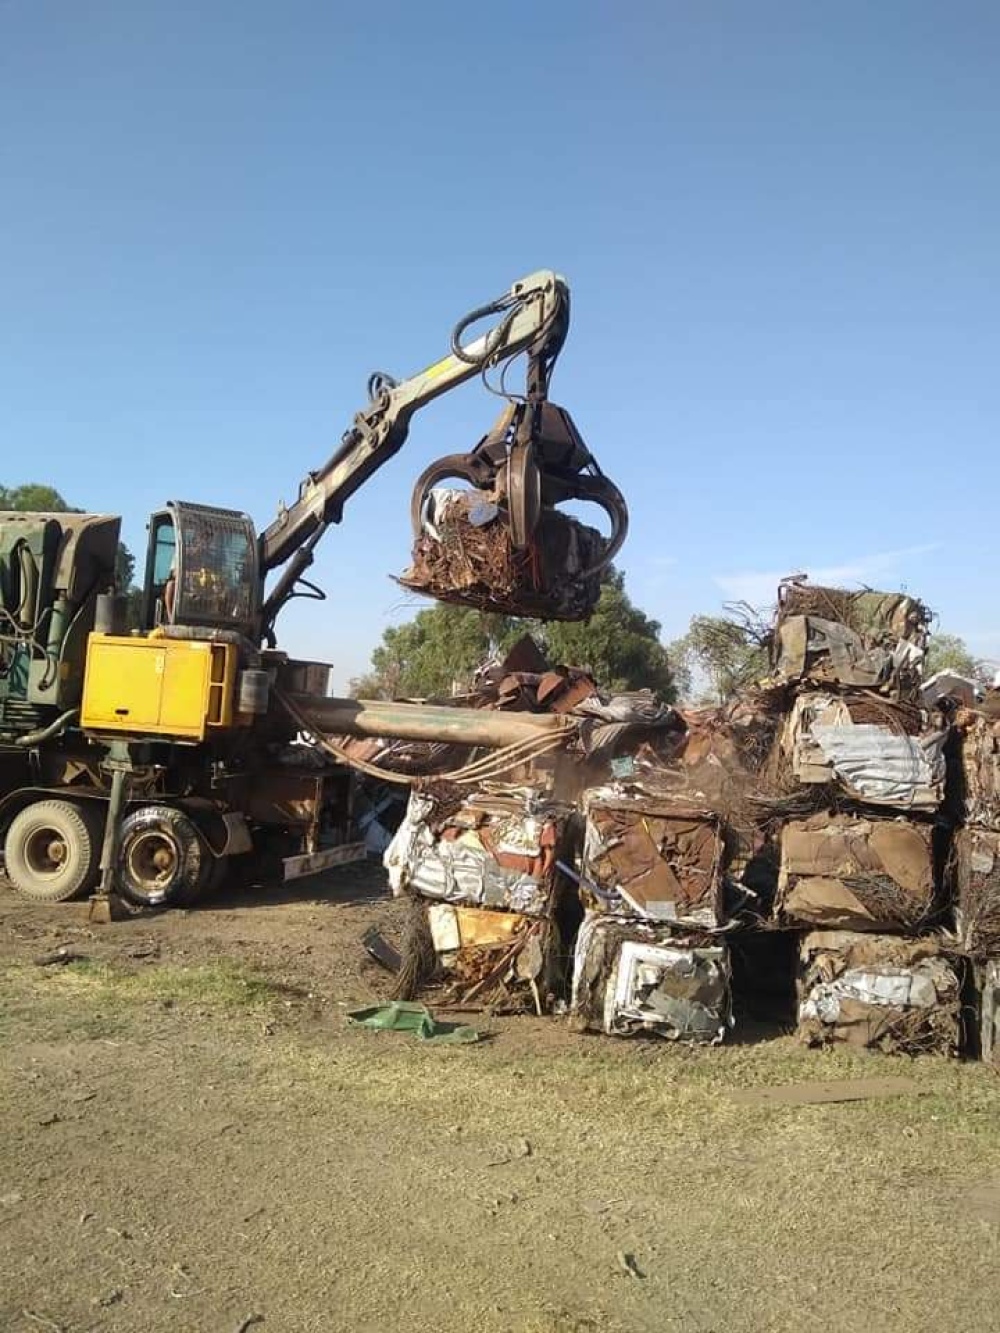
(780, 223)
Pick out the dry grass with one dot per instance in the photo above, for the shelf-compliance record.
(223, 984)
(394, 1194)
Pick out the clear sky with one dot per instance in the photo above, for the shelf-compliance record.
(780, 222)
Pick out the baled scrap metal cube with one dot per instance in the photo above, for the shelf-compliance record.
(491, 955)
(856, 873)
(865, 639)
(979, 767)
(635, 978)
(488, 850)
(882, 617)
(883, 992)
(809, 648)
(873, 750)
(653, 858)
(974, 873)
(988, 987)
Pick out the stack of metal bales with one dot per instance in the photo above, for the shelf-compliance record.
(862, 873)
(481, 871)
(840, 810)
(650, 956)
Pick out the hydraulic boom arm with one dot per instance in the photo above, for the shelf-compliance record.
(534, 318)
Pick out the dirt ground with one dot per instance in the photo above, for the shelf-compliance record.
(193, 1138)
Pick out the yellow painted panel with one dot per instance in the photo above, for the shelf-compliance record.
(184, 702)
(123, 684)
(155, 687)
(477, 925)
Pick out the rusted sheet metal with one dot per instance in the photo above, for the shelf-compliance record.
(867, 639)
(311, 863)
(284, 796)
(852, 873)
(979, 765)
(427, 722)
(975, 881)
(829, 1091)
(653, 858)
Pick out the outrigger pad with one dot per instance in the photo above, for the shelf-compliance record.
(465, 554)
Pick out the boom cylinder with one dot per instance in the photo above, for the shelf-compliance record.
(427, 722)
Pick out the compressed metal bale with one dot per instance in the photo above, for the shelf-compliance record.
(466, 555)
(507, 959)
(653, 858)
(880, 616)
(871, 749)
(988, 988)
(635, 978)
(882, 992)
(481, 850)
(974, 873)
(978, 768)
(856, 873)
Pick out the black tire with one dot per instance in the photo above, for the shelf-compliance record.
(213, 871)
(160, 858)
(52, 850)
(216, 872)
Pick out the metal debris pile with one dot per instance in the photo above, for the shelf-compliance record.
(465, 553)
(832, 836)
(866, 640)
(861, 872)
(879, 991)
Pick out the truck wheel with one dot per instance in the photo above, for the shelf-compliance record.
(160, 857)
(51, 851)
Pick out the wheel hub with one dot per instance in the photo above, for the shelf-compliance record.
(151, 858)
(45, 852)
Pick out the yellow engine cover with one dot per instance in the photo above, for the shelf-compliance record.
(176, 688)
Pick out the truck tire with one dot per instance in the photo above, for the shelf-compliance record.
(214, 873)
(52, 850)
(160, 858)
(210, 876)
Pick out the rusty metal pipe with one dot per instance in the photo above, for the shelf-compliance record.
(426, 722)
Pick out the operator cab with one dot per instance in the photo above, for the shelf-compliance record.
(202, 570)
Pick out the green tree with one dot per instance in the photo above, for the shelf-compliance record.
(430, 654)
(443, 645)
(33, 498)
(725, 653)
(125, 568)
(947, 652)
(620, 645)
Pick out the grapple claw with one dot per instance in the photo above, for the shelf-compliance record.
(502, 544)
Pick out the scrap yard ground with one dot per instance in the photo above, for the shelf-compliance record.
(194, 1136)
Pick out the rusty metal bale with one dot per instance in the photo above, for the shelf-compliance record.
(471, 561)
(847, 872)
(974, 877)
(633, 978)
(883, 992)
